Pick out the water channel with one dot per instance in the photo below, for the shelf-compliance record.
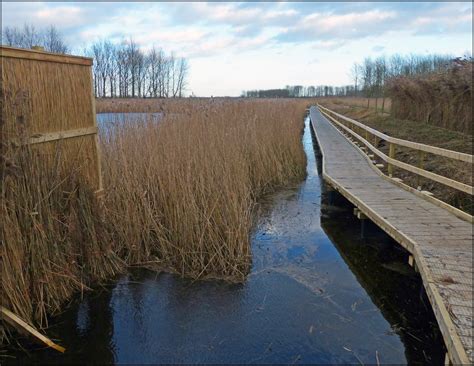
(317, 293)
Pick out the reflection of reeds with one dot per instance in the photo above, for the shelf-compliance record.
(182, 192)
(179, 193)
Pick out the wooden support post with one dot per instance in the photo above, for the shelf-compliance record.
(391, 154)
(412, 263)
(421, 161)
(361, 216)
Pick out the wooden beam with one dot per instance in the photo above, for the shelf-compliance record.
(23, 326)
(44, 56)
(97, 143)
(52, 136)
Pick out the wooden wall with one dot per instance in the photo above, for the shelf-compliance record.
(48, 104)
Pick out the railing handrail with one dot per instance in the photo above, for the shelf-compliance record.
(419, 171)
(456, 155)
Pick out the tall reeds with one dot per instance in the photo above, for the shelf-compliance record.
(442, 98)
(54, 239)
(181, 193)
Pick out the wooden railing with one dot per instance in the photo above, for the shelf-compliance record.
(376, 136)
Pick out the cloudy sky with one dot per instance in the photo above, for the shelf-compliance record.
(239, 46)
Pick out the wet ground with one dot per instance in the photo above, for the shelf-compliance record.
(317, 293)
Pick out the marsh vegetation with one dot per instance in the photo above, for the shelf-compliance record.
(180, 195)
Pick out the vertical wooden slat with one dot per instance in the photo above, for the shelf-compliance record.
(421, 162)
(391, 154)
(97, 144)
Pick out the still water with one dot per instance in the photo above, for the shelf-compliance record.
(317, 293)
(108, 121)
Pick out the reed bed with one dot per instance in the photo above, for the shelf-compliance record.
(54, 238)
(180, 195)
(442, 98)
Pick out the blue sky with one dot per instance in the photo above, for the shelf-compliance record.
(239, 46)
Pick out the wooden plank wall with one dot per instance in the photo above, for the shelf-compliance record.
(48, 103)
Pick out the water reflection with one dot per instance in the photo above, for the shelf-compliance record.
(317, 293)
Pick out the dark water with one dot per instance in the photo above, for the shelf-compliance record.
(317, 293)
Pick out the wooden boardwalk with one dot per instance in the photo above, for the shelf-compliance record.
(440, 243)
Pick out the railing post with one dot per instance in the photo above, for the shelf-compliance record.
(391, 155)
(421, 159)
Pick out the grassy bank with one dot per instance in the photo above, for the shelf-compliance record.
(180, 195)
(425, 133)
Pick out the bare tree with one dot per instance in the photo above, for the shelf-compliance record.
(53, 42)
(28, 36)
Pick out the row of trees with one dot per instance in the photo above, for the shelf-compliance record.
(301, 91)
(28, 36)
(370, 77)
(125, 70)
(119, 70)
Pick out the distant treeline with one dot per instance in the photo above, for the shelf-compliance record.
(369, 77)
(300, 91)
(119, 70)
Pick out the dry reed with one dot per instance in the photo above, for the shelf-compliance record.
(442, 98)
(181, 193)
(54, 241)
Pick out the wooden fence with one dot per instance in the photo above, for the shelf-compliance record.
(49, 98)
(369, 139)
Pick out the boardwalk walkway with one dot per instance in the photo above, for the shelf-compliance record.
(440, 243)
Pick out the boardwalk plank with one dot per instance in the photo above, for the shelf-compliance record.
(440, 242)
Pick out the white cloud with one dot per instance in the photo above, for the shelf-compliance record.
(61, 16)
(233, 46)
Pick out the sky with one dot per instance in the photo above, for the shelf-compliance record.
(234, 46)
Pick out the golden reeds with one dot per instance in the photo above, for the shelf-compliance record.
(54, 238)
(180, 195)
(182, 192)
(442, 98)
